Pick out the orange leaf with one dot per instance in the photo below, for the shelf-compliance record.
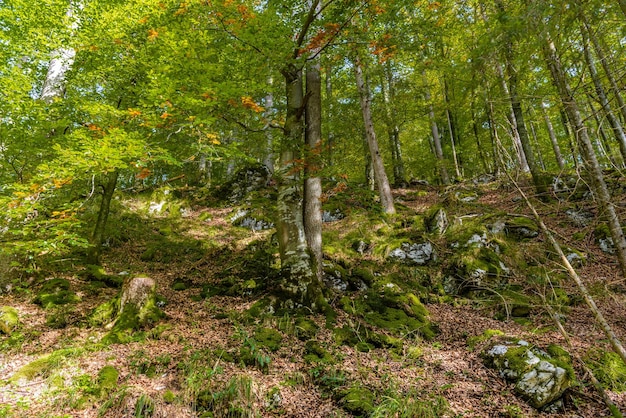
(153, 34)
(144, 173)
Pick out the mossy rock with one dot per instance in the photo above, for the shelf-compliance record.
(393, 310)
(55, 292)
(477, 268)
(540, 377)
(315, 353)
(487, 335)
(521, 228)
(357, 400)
(95, 273)
(268, 338)
(305, 328)
(9, 320)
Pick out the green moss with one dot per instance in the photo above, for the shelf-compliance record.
(393, 310)
(305, 328)
(485, 336)
(180, 285)
(104, 313)
(107, 379)
(55, 292)
(315, 353)
(602, 231)
(269, 338)
(608, 368)
(44, 365)
(168, 396)
(95, 273)
(357, 400)
(562, 359)
(9, 320)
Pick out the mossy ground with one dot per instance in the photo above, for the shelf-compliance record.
(387, 346)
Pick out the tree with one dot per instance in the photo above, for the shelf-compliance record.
(380, 175)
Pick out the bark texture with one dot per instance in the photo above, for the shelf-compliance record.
(384, 190)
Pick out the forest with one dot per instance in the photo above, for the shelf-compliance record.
(317, 208)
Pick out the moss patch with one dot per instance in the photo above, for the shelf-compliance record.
(55, 292)
(392, 310)
(268, 338)
(608, 368)
(44, 365)
(357, 400)
(9, 320)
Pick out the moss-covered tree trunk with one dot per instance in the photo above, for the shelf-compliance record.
(299, 285)
(97, 237)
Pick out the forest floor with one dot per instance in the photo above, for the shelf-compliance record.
(165, 373)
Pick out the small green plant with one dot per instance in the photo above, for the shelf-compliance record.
(142, 363)
(410, 405)
(144, 408)
(236, 399)
(198, 370)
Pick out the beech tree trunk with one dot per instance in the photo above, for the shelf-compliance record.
(299, 285)
(607, 70)
(614, 122)
(313, 165)
(97, 237)
(599, 187)
(382, 182)
(399, 177)
(443, 172)
(553, 139)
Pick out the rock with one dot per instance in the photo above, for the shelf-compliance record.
(361, 247)
(419, 254)
(606, 245)
(437, 223)
(539, 377)
(332, 216)
(9, 320)
(248, 179)
(241, 218)
(484, 179)
(579, 217)
(419, 182)
(521, 228)
(570, 187)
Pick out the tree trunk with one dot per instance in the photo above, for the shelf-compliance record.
(454, 139)
(60, 63)
(329, 100)
(614, 122)
(622, 5)
(517, 143)
(268, 161)
(553, 138)
(313, 165)
(607, 70)
(299, 285)
(399, 177)
(443, 172)
(382, 182)
(97, 237)
(599, 187)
